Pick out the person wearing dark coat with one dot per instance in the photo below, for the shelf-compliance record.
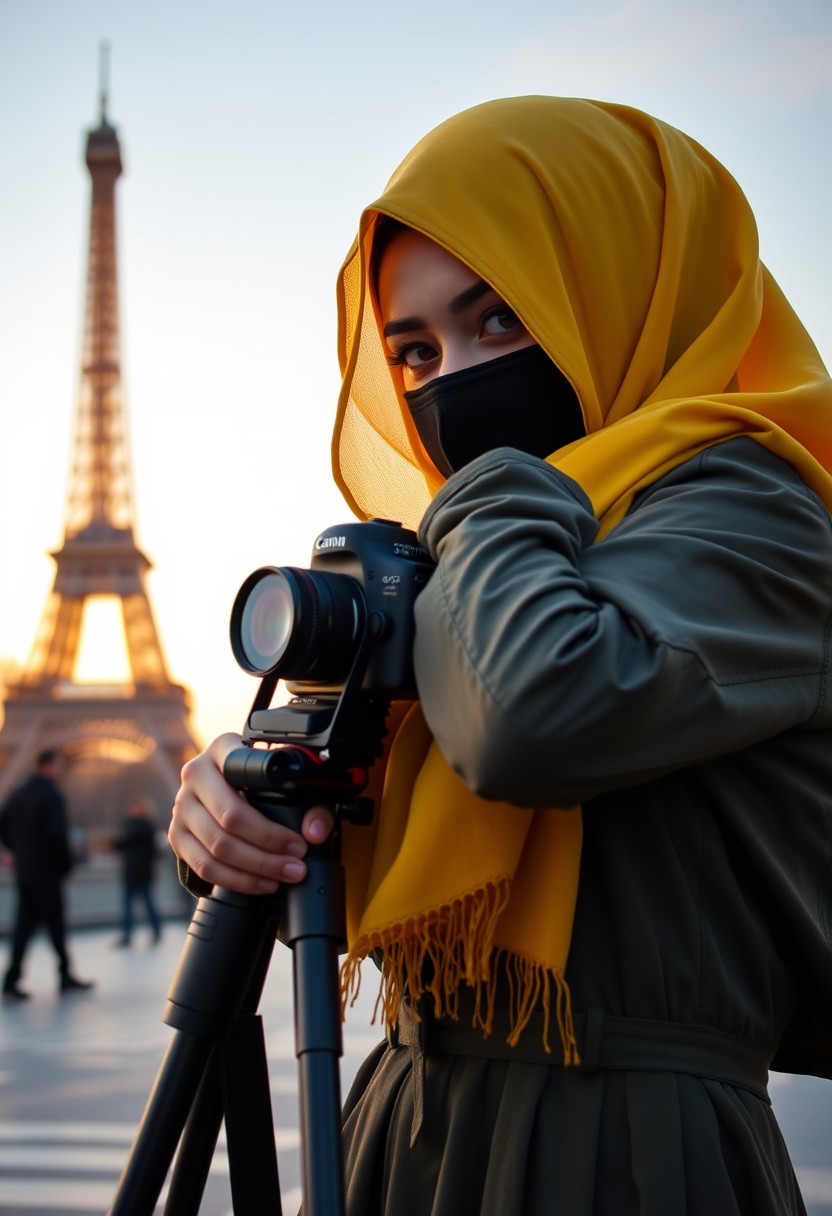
(597, 877)
(137, 845)
(33, 827)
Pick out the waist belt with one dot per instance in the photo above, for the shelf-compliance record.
(604, 1042)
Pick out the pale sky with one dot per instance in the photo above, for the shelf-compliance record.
(252, 136)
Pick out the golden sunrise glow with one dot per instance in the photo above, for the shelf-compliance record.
(102, 650)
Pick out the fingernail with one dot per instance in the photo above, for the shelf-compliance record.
(317, 829)
(296, 849)
(294, 871)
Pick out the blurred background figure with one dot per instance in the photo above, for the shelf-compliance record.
(33, 827)
(137, 843)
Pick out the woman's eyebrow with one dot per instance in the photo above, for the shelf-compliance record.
(405, 326)
(469, 295)
(457, 304)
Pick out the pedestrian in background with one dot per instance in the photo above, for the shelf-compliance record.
(33, 827)
(139, 850)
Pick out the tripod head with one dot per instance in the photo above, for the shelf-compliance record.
(284, 781)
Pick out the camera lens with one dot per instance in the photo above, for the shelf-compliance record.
(297, 624)
(266, 623)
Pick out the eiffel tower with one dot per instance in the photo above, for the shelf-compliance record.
(120, 738)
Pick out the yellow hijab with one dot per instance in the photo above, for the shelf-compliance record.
(631, 256)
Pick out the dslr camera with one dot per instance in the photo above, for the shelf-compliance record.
(339, 634)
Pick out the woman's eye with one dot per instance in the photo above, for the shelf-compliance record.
(500, 321)
(412, 356)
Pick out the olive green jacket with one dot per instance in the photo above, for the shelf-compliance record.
(671, 679)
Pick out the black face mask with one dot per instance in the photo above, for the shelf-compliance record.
(520, 400)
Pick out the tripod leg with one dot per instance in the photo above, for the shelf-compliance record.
(249, 1124)
(220, 974)
(197, 1146)
(199, 999)
(164, 1117)
(318, 1030)
(314, 929)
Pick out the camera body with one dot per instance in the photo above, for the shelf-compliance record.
(390, 567)
(342, 627)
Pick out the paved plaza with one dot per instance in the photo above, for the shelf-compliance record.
(75, 1073)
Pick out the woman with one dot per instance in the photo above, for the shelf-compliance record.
(599, 873)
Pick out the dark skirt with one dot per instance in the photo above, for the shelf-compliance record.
(512, 1138)
(674, 927)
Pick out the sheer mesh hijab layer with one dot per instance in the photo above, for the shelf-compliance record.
(631, 256)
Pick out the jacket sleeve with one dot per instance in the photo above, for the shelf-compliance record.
(552, 668)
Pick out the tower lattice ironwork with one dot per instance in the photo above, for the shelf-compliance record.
(145, 721)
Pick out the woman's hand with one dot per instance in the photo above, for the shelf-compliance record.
(228, 843)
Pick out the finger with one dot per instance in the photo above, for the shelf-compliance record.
(205, 787)
(317, 825)
(222, 837)
(220, 748)
(225, 860)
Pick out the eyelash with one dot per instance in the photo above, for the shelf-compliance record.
(398, 358)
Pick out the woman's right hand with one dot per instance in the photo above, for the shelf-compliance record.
(228, 843)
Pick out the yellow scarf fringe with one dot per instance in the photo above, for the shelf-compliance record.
(434, 953)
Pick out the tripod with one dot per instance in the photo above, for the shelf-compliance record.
(342, 633)
(215, 1066)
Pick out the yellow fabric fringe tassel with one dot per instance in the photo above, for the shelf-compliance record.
(438, 953)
